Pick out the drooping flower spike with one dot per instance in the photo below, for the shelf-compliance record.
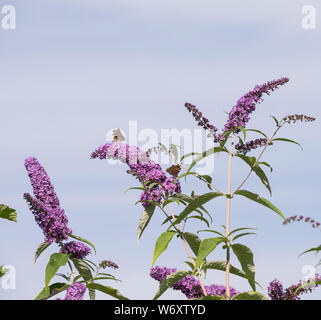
(142, 167)
(45, 204)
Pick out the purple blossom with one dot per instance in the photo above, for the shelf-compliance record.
(75, 249)
(40, 181)
(45, 204)
(171, 186)
(142, 167)
(202, 121)
(239, 115)
(276, 291)
(76, 291)
(53, 222)
(248, 146)
(189, 285)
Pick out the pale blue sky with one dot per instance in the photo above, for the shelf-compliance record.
(72, 70)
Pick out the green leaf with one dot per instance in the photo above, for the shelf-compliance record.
(288, 140)
(169, 281)
(52, 290)
(258, 171)
(206, 247)
(243, 130)
(276, 120)
(82, 240)
(206, 154)
(162, 243)
(258, 131)
(83, 269)
(245, 257)
(194, 204)
(255, 197)
(221, 266)
(251, 295)
(144, 220)
(189, 155)
(8, 213)
(42, 247)
(200, 218)
(242, 235)
(316, 249)
(56, 261)
(193, 241)
(107, 289)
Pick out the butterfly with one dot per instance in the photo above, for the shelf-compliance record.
(174, 170)
(117, 136)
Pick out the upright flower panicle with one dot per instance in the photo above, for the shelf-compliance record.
(142, 167)
(45, 204)
(239, 115)
(188, 285)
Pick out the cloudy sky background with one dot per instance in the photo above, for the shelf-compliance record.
(72, 70)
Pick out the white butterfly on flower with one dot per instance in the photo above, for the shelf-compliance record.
(118, 136)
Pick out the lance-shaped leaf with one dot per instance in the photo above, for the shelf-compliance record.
(221, 266)
(255, 197)
(107, 289)
(144, 220)
(288, 140)
(53, 289)
(316, 250)
(8, 213)
(251, 295)
(245, 257)
(162, 243)
(82, 240)
(194, 204)
(206, 247)
(205, 154)
(56, 261)
(258, 171)
(169, 281)
(42, 247)
(193, 241)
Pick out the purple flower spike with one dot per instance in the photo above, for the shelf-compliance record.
(76, 249)
(142, 167)
(248, 146)
(40, 181)
(239, 115)
(188, 285)
(76, 291)
(45, 204)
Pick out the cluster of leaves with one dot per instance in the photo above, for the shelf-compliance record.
(81, 270)
(194, 209)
